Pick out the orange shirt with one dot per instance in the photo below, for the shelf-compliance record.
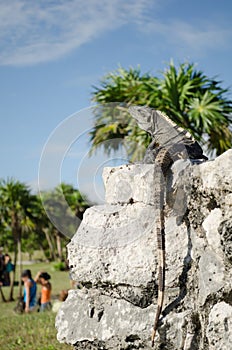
(45, 295)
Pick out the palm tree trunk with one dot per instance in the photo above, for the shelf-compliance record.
(2, 295)
(42, 249)
(20, 263)
(59, 246)
(50, 245)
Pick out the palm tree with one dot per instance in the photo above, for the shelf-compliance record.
(63, 204)
(43, 228)
(16, 214)
(190, 98)
(77, 201)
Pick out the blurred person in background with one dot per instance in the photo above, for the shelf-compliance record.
(45, 300)
(7, 269)
(29, 293)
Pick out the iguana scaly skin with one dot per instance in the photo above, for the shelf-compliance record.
(169, 143)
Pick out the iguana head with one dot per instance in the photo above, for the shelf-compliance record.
(143, 116)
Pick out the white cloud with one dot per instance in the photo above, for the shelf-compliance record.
(198, 37)
(204, 38)
(40, 31)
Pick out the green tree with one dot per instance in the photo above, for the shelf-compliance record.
(190, 98)
(62, 204)
(16, 205)
(41, 237)
(77, 201)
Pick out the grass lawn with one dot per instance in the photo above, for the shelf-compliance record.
(35, 331)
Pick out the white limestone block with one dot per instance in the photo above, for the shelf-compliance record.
(87, 315)
(211, 225)
(211, 275)
(130, 183)
(219, 329)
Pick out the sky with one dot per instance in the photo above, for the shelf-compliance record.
(52, 53)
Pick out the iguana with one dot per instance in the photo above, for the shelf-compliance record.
(169, 143)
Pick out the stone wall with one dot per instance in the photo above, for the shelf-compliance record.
(113, 256)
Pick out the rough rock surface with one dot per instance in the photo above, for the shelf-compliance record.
(113, 256)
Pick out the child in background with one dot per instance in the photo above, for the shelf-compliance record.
(8, 268)
(45, 302)
(57, 303)
(29, 295)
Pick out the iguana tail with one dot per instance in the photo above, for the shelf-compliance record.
(164, 160)
(161, 280)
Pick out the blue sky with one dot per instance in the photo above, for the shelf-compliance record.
(54, 51)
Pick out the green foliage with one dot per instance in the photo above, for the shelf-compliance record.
(190, 98)
(65, 207)
(127, 86)
(60, 266)
(77, 202)
(16, 205)
(23, 217)
(17, 214)
(63, 198)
